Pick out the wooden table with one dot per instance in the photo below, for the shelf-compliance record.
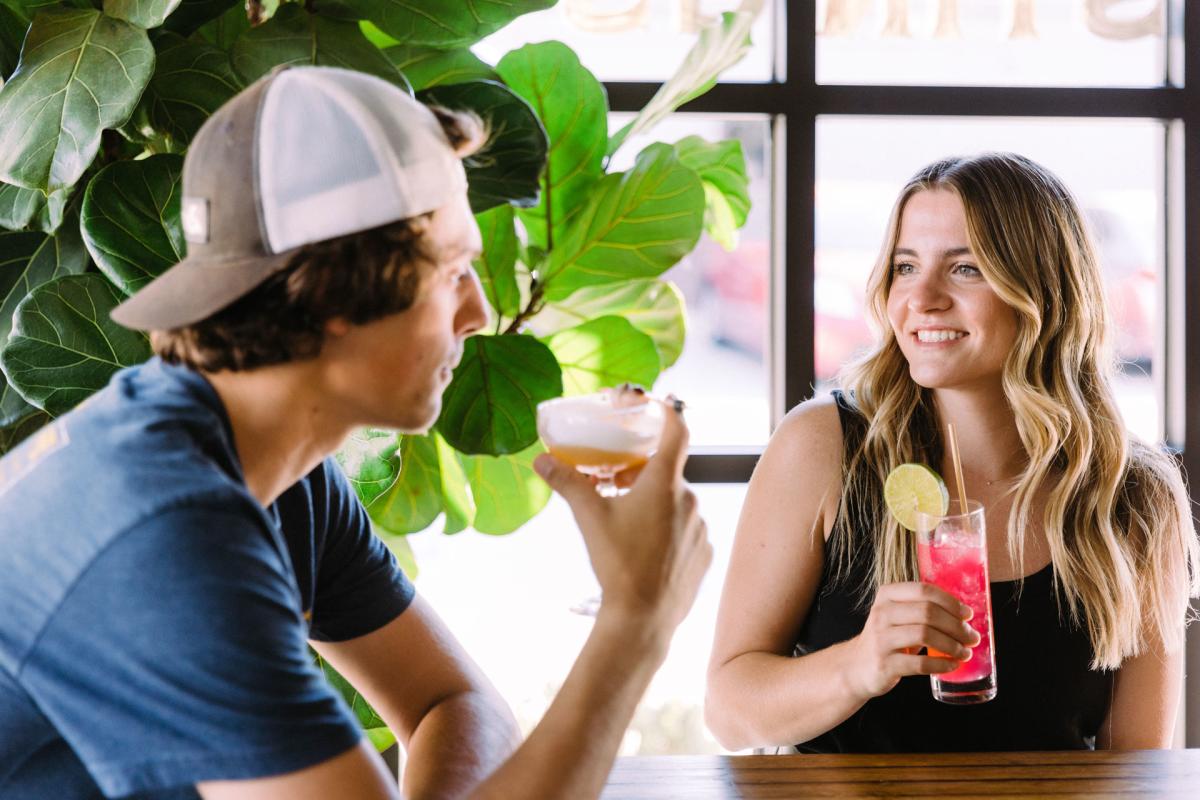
(1129, 774)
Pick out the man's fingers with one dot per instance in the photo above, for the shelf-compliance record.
(573, 485)
(673, 447)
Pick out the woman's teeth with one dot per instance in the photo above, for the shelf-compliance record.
(939, 336)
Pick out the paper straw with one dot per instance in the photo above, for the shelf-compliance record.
(962, 489)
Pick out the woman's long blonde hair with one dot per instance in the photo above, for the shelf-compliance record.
(1117, 518)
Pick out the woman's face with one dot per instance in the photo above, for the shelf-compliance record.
(952, 327)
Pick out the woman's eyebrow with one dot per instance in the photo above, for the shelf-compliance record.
(951, 253)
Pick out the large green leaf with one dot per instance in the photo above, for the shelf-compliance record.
(131, 219)
(490, 407)
(573, 107)
(722, 169)
(507, 492)
(80, 72)
(294, 36)
(442, 23)
(29, 422)
(64, 347)
(19, 205)
(506, 169)
(637, 224)
(496, 266)
(607, 351)
(143, 13)
(428, 66)
(27, 260)
(12, 33)
(192, 14)
(371, 461)
(372, 724)
(191, 81)
(221, 31)
(457, 501)
(719, 46)
(414, 501)
(655, 308)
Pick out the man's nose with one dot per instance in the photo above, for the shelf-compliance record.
(473, 312)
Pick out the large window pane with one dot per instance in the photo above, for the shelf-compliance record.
(992, 42)
(1113, 167)
(507, 598)
(633, 40)
(723, 372)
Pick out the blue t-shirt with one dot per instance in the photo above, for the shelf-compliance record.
(154, 617)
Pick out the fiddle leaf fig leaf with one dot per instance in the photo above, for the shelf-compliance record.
(573, 107)
(443, 23)
(371, 462)
(191, 81)
(143, 13)
(606, 351)
(12, 33)
(131, 219)
(722, 169)
(18, 205)
(496, 265)
(490, 406)
(655, 308)
(507, 492)
(80, 72)
(636, 225)
(28, 260)
(718, 47)
(63, 346)
(29, 422)
(221, 31)
(506, 169)
(428, 66)
(401, 549)
(456, 493)
(414, 501)
(294, 36)
(191, 15)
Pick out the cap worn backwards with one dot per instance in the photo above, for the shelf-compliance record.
(303, 155)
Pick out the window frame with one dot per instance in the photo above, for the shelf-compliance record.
(794, 101)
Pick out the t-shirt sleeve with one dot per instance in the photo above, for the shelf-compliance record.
(360, 586)
(180, 656)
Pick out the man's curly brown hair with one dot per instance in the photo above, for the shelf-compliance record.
(359, 277)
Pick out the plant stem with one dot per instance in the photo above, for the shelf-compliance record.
(535, 305)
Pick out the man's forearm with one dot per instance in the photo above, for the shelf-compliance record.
(463, 739)
(570, 752)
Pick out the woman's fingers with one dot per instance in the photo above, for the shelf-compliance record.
(922, 665)
(903, 637)
(933, 616)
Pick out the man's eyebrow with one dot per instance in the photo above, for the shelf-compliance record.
(951, 253)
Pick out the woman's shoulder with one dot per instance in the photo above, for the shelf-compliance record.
(808, 441)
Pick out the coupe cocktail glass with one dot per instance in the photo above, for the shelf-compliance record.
(601, 435)
(952, 555)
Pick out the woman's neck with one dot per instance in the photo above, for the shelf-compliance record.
(986, 431)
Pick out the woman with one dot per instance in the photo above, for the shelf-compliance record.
(993, 318)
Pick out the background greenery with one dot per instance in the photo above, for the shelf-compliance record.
(101, 98)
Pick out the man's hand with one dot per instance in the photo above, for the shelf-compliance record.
(649, 548)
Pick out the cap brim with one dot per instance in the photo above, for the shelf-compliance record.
(195, 289)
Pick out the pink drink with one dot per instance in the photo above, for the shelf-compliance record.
(952, 555)
(961, 569)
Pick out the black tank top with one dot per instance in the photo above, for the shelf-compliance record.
(1047, 698)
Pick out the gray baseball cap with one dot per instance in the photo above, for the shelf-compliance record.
(303, 155)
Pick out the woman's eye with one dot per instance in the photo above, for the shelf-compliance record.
(902, 269)
(970, 270)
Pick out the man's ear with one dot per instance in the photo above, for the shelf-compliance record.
(337, 327)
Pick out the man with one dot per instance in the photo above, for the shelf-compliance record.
(169, 548)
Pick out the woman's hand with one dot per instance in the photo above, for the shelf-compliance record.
(904, 618)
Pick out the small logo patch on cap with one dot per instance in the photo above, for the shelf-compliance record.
(194, 215)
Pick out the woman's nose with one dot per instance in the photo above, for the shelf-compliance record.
(928, 293)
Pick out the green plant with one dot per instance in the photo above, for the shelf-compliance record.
(101, 98)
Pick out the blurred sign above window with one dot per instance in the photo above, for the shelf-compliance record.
(992, 42)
